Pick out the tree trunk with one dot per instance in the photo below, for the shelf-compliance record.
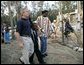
(10, 16)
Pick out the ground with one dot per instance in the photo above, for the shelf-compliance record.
(57, 54)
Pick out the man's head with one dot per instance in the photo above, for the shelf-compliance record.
(25, 13)
(45, 13)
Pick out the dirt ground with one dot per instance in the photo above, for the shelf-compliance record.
(57, 54)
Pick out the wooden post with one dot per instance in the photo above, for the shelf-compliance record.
(78, 17)
(61, 20)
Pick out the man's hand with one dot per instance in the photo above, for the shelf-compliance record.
(21, 45)
(19, 41)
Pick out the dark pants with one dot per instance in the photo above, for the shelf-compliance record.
(36, 49)
(2, 38)
(39, 56)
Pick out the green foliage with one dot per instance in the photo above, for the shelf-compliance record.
(68, 6)
(5, 19)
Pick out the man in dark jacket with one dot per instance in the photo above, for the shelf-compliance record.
(36, 46)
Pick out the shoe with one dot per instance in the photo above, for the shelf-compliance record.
(43, 63)
(21, 61)
(44, 55)
(32, 63)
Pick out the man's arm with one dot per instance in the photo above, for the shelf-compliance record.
(38, 21)
(39, 24)
(49, 24)
(17, 34)
(18, 39)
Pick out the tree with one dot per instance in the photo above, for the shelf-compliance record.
(34, 9)
(68, 6)
(3, 7)
(40, 4)
(5, 19)
(52, 14)
(18, 7)
(47, 5)
(10, 4)
(81, 5)
(33, 6)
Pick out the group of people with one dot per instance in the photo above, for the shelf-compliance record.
(32, 36)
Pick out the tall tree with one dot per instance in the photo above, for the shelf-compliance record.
(18, 8)
(68, 6)
(3, 7)
(40, 4)
(81, 5)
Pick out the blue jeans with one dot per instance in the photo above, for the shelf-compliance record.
(7, 37)
(43, 44)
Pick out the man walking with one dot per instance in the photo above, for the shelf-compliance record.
(44, 26)
(23, 35)
(36, 45)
